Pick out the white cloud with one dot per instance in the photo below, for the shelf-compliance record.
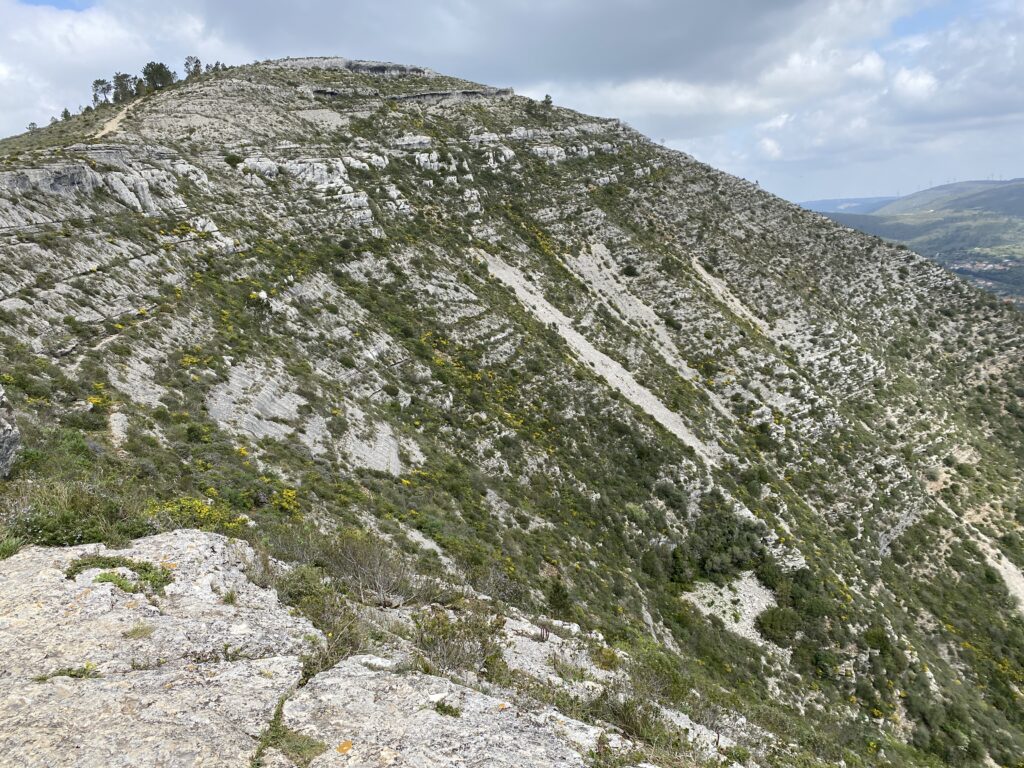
(871, 66)
(803, 71)
(915, 84)
(777, 122)
(770, 148)
(909, 45)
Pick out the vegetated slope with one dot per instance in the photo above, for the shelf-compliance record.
(774, 462)
(975, 228)
(945, 196)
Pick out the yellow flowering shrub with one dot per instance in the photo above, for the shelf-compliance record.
(190, 512)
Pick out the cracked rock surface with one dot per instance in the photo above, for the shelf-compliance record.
(177, 679)
(370, 716)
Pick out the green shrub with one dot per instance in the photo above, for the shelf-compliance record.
(720, 545)
(448, 710)
(637, 718)
(85, 672)
(139, 631)
(121, 582)
(9, 546)
(467, 644)
(779, 625)
(559, 600)
(307, 589)
(298, 748)
(605, 658)
(372, 571)
(876, 637)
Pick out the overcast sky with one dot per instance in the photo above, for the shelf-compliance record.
(812, 98)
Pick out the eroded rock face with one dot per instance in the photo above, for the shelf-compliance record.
(183, 678)
(208, 715)
(370, 716)
(10, 437)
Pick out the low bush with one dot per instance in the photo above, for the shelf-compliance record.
(720, 545)
(148, 576)
(373, 572)
(190, 512)
(312, 593)
(466, 644)
(779, 625)
(639, 719)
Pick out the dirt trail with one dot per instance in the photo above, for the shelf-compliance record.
(113, 123)
(608, 369)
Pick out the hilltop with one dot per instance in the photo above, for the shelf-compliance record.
(398, 383)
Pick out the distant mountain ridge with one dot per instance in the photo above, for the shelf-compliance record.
(848, 204)
(975, 228)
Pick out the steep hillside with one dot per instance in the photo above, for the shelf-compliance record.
(975, 228)
(454, 362)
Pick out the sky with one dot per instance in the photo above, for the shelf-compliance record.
(810, 98)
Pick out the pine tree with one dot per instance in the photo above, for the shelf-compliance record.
(124, 87)
(193, 67)
(158, 75)
(101, 89)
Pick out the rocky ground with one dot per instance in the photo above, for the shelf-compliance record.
(207, 670)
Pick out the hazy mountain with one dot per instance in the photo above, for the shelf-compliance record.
(848, 204)
(994, 196)
(362, 415)
(975, 228)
